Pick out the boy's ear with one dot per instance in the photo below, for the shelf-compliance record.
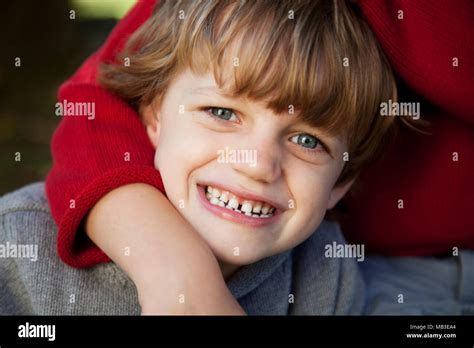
(337, 193)
(151, 119)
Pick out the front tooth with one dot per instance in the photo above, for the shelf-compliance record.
(257, 207)
(216, 193)
(221, 204)
(265, 209)
(224, 197)
(214, 200)
(246, 207)
(233, 203)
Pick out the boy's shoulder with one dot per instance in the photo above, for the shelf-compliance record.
(325, 282)
(28, 198)
(35, 281)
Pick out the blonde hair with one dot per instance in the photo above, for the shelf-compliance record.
(317, 55)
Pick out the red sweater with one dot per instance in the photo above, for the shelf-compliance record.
(90, 156)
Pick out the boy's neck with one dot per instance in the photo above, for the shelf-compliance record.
(227, 269)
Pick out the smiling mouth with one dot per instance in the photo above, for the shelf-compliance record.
(246, 207)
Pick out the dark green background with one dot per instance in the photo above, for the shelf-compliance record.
(51, 47)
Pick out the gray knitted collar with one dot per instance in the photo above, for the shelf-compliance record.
(248, 278)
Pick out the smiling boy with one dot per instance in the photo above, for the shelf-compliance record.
(299, 83)
(292, 205)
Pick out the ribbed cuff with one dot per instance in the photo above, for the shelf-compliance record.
(74, 247)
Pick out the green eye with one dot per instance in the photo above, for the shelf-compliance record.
(222, 113)
(305, 140)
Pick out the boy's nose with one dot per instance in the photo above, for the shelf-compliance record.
(264, 165)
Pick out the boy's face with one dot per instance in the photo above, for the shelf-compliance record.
(252, 159)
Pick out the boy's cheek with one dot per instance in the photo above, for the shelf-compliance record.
(311, 201)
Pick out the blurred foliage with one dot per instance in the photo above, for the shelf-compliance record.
(51, 47)
(99, 9)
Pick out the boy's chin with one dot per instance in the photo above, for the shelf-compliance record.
(239, 258)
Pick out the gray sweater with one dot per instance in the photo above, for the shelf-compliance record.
(299, 281)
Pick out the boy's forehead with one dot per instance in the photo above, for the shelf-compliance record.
(209, 90)
(205, 84)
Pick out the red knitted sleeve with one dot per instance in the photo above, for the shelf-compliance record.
(430, 46)
(94, 155)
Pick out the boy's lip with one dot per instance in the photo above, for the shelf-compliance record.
(244, 194)
(232, 215)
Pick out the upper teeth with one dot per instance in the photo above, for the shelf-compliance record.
(244, 206)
